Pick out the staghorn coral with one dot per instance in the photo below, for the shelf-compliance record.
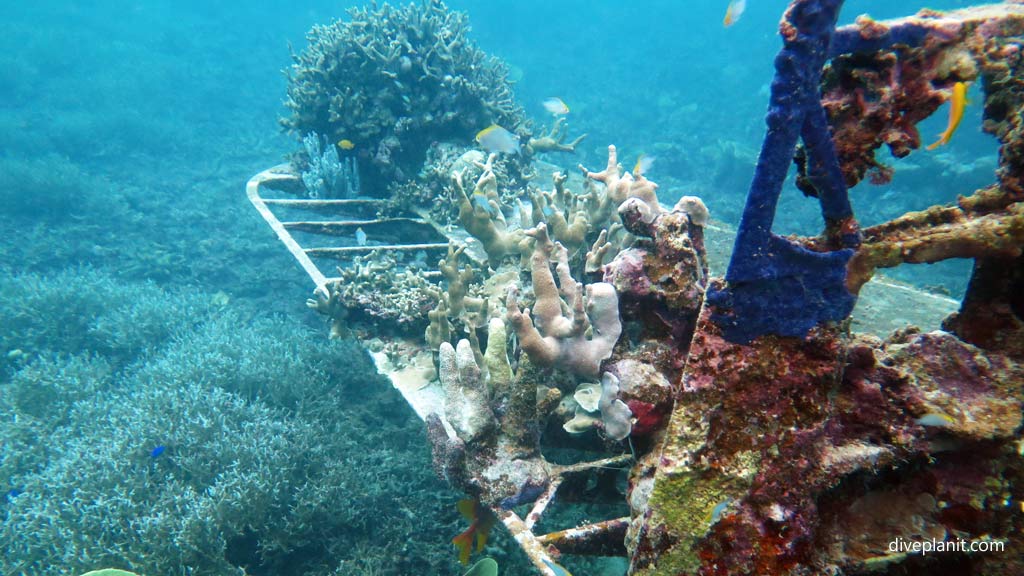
(269, 464)
(578, 340)
(392, 80)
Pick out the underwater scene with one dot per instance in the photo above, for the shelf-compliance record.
(467, 288)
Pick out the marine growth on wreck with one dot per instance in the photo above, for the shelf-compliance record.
(525, 311)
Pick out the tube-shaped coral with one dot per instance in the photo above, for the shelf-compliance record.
(577, 340)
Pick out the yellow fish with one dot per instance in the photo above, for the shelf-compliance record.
(481, 521)
(643, 164)
(936, 419)
(346, 144)
(957, 103)
(733, 12)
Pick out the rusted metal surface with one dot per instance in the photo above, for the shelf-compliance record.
(600, 539)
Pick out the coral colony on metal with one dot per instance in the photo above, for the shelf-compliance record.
(760, 435)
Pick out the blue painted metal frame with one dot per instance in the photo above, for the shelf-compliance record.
(773, 285)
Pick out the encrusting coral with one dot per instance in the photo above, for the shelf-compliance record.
(792, 451)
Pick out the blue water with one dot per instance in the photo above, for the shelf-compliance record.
(143, 299)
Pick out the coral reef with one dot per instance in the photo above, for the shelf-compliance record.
(480, 213)
(789, 452)
(267, 463)
(773, 492)
(373, 288)
(393, 80)
(765, 438)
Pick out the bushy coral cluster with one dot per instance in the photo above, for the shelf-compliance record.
(375, 289)
(391, 81)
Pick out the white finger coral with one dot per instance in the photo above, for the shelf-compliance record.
(467, 403)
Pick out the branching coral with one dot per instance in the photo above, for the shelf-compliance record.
(482, 217)
(472, 310)
(375, 286)
(393, 80)
(264, 453)
(577, 340)
(554, 140)
(562, 212)
(602, 204)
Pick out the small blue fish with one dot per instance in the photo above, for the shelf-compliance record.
(480, 199)
(156, 452)
(360, 237)
(11, 494)
(494, 138)
(717, 511)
